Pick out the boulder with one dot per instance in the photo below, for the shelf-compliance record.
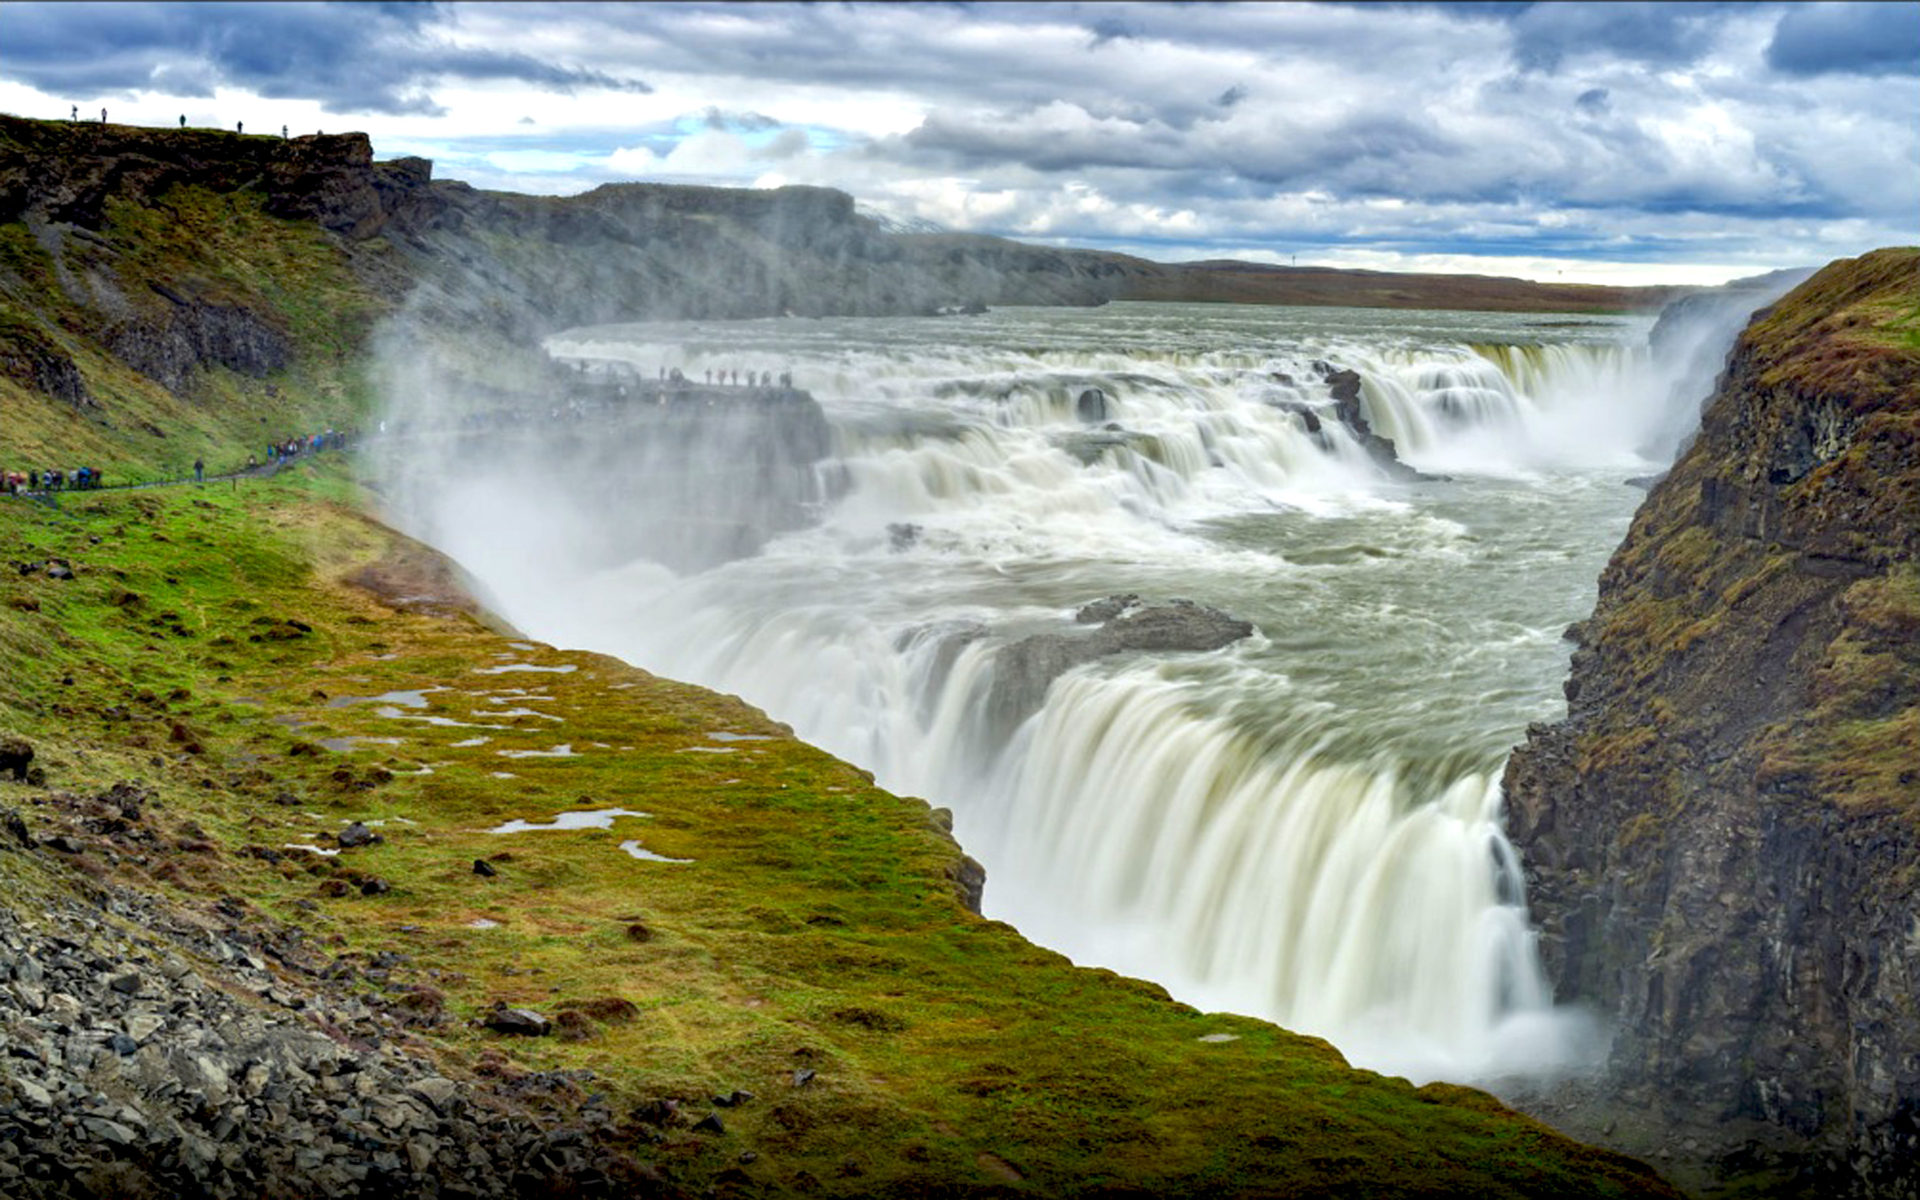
(1024, 670)
(357, 834)
(520, 1022)
(16, 756)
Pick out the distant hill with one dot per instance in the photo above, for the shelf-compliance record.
(1257, 283)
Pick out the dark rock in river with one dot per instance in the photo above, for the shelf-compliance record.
(1091, 407)
(1024, 670)
(1344, 385)
(903, 535)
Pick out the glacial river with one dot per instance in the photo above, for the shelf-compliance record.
(1304, 826)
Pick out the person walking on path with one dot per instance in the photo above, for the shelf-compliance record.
(199, 471)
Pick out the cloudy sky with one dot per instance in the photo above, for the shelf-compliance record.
(1615, 142)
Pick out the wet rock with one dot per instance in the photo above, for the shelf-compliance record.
(1024, 670)
(1091, 406)
(903, 536)
(484, 868)
(1305, 412)
(1344, 385)
(710, 1123)
(1099, 612)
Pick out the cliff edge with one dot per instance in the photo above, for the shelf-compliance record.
(1722, 838)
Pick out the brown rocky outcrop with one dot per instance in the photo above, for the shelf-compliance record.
(1722, 839)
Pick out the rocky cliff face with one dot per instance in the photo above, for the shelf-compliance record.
(1723, 837)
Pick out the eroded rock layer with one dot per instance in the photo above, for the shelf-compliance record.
(1722, 839)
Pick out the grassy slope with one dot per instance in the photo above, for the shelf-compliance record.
(816, 927)
(218, 247)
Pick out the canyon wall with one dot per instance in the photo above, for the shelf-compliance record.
(1722, 839)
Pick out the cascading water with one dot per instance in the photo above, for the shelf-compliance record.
(1304, 826)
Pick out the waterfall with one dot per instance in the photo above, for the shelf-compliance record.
(1304, 826)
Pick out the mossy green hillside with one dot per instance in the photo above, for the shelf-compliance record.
(1783, 568)
(68, 295)
(276, 665)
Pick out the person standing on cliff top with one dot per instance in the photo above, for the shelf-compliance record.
(75, 115)
(103, 116)
(183, 120)
(199, 470)
(239, 126)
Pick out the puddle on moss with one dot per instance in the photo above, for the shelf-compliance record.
(393, 713)
(503, 713)
(599, 818)
(563, 750)
(416, 698)
(722, 735)
(503, 668)
(343, 745)
(645, 855)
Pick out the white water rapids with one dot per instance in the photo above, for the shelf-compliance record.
(1304, 826)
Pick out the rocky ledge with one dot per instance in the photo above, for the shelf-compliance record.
(1722, 839)
(1024, 670)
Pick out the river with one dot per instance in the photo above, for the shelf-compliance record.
(1304, 826)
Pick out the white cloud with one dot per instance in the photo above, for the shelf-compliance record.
(1613, 140)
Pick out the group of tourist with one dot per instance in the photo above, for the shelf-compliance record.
(331, 439)
(79, 479)
(731, 378)
(38, 482)
(238, 126)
